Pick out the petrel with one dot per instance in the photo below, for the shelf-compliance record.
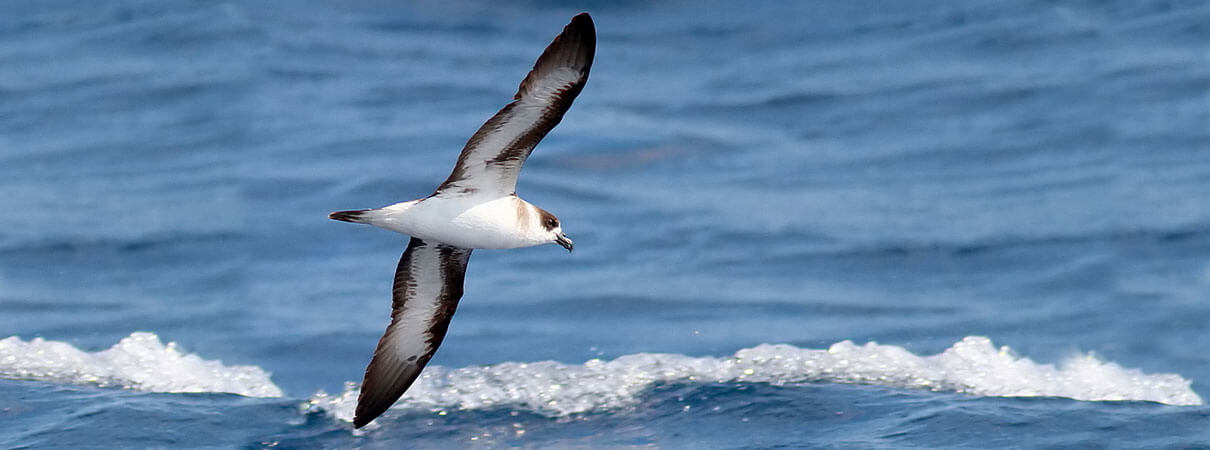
(476, 207)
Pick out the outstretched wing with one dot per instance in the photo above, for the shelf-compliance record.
(428, 284)
(493, 156)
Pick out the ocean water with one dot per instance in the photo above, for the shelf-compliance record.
(797, 224)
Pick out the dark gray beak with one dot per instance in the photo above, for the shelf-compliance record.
(564, 241)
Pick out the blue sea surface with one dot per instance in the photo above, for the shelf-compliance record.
(864, 224)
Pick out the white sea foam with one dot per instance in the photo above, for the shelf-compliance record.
(972, 366)
(139, 361)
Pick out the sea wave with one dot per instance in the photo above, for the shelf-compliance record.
(973, 366)
(139, 361)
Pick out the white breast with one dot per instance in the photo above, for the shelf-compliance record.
(467, 222)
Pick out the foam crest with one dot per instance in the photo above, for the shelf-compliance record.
(973, 366)
(139, 361)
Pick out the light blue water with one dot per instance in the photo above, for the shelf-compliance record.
(733, 175)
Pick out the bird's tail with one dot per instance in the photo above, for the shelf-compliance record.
(358, 216)
(373, 216)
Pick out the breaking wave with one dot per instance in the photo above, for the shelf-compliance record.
(139, 361)
(973, 366)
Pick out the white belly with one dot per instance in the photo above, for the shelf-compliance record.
(465, 222)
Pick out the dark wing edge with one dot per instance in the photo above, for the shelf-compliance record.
(573, 48)
(505, 141)
(428, 285)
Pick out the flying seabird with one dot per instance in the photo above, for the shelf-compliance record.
(476, 207)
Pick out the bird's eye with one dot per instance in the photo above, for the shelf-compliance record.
(551, 223)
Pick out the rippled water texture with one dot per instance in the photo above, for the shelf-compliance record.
(855, 224)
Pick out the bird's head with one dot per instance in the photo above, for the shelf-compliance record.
(552, 230)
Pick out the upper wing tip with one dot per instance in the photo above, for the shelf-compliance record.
(574, 48)
(582, 19)
(583, 27)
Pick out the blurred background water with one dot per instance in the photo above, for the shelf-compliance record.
(734, 174)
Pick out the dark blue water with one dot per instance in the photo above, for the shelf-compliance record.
(734, 175)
